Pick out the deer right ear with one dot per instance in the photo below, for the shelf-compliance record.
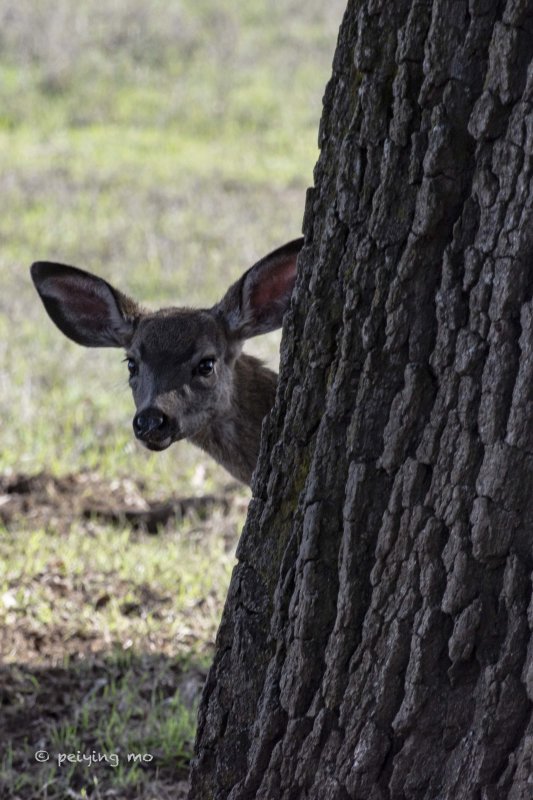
(84, 307)
(258, 301)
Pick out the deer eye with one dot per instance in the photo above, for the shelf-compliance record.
(206, 367)
(132, 367)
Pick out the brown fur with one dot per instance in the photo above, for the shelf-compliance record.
(233, 438)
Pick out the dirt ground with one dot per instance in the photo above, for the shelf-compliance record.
(46, 500)
(61, 680)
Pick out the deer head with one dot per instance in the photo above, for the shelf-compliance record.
(186, 371)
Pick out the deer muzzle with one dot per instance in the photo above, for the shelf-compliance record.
(152, 427)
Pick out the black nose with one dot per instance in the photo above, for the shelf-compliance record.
(148, 421)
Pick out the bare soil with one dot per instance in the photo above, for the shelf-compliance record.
(44, 499)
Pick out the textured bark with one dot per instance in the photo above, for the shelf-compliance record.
(377, 637)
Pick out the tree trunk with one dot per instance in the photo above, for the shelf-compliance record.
(376, 640)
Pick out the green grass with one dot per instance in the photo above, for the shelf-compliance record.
(117, 725)
(116, 586)
(107, 634)
(165, 146)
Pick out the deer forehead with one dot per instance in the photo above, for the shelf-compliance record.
(177, 332)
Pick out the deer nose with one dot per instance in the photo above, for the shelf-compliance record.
(148, 421)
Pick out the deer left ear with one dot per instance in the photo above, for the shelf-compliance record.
(84, 307)
(258, 301)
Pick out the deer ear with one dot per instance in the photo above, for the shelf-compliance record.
(258, 301)
(85, 308)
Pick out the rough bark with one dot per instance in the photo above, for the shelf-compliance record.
(377, 637)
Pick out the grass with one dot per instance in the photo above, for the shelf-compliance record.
(114, 587)
(118, 724)
(106, 636)
(165, 146)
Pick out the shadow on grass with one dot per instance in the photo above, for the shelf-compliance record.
(113, 725)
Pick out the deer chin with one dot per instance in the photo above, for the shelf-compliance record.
(157, 446)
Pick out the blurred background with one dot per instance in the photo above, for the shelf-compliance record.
(165, 146)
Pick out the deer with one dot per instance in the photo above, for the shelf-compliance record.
(189, 376)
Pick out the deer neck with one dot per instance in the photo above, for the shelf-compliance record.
(233, 438)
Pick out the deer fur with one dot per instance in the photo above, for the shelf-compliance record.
(188, 375)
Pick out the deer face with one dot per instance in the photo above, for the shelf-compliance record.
(180, 361)
(180, 373)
